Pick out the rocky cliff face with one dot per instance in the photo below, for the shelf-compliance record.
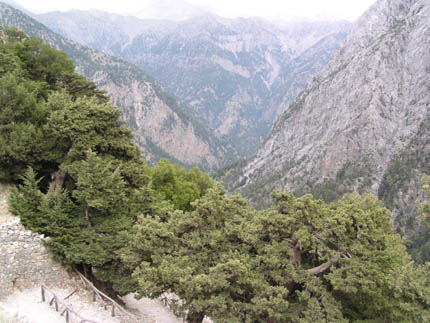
(232, 72)
(163, 127)
(346, 130)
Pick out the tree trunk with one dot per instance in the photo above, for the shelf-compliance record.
(270, 320)
(195, 317)
(87, 217)
(297, 255)
(57, 180)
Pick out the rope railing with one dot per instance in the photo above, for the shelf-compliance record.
(69, 314)
(106, 300)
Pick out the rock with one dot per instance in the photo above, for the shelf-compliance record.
(24, 261)
(354, 119)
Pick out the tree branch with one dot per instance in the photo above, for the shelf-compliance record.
(326, 265)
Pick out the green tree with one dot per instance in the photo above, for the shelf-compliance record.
(47, 66)
(100, 188)
(30, 72)
(87, 181)
(301, 261)
(84, 224)
(21, 135)
(195, 255)
(179, 186)
(419, 242)
(342, 260)
(425, 206)
(26, 199)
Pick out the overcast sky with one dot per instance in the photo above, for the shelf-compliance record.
(338, 9)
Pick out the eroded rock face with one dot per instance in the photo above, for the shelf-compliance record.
(155, 122)
(358, 114)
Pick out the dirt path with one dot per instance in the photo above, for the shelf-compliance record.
(27, 306)
(153, 309)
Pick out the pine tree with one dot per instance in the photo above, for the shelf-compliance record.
(26, 200)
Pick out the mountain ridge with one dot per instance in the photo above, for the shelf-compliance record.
(229, 71)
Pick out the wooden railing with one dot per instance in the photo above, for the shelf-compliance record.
(107, 301)
(69, 314)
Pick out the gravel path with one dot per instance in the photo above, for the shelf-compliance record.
(153, 309)
(28, 307)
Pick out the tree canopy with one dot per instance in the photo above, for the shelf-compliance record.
(300, 261)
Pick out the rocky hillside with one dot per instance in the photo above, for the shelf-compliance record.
(163, 126)
(235, 73)
(362, 124)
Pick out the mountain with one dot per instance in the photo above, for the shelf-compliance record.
(170, 10)
(163, 127)
(16, 5)
(235, 73)
(362, 123)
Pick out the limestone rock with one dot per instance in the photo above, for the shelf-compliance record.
(366, 107)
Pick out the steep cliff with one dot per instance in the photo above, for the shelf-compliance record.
(233, 72)
(163, 127)
(353, 121)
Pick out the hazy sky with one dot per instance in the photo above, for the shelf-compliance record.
(343, 9)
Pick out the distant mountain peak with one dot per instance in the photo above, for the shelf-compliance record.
(176, 10)
(16, 5)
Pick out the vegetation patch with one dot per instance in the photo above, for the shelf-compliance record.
(351, 177)
(415, 157)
